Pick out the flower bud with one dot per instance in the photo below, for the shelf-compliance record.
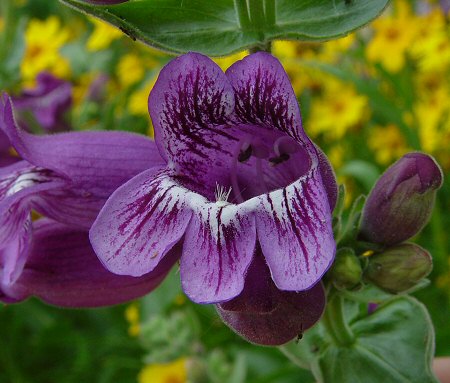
(399, 268)
(346, 271)
(400, 203)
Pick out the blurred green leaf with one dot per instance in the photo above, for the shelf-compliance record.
(221, 27)
(365, 172)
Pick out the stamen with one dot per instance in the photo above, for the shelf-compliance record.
(221, 194)
(285, 144)
(233, 171)
(260, 174)
(245, 154)
(278, 160)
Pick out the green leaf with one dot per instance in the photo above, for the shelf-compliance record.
(221, 27)
(394, 344)
(365, 172)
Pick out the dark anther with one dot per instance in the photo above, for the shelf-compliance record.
(244, 155)
(278, 160)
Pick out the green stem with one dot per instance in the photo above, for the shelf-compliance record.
(267, 47)
(242, 11)
(269, 10)
(438, 232)
(257, 16)
(334, 321)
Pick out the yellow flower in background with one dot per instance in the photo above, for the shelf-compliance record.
(293, 55)
(43, 39)
(130, 69)
(387, 143)
(333, 50)
(394, 34)
(432, 110)
(338, 110)
(336, 156)
(133, 318)
(432, 46)
(227, 61)
(102, 36)
(174, 372)
(2, 24)
(138, 101)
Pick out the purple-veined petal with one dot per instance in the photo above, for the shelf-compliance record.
(328, 178)
(262, 314)
(295, 233)
(218, 248)
(189, 105)
(62, 269)
(93, 165)
(140, 223)
(264, 95)
(20, 186)
(14, 252)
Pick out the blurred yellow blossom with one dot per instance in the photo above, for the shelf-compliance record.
(130, 69)
(138, 101)
(226, 61)
(332, 50)
(432, 45)
(339, 109)
(174, 372)
(336, 156)
(394, 33)
(133, 318)
(387, 143)
(293, 55)
(432, 110)
(43, 39)
(102, 36)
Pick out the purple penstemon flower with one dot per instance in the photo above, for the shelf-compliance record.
(242, 182)
(66, 177)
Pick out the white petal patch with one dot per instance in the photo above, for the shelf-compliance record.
(218, 248)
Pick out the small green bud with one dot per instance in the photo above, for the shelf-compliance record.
(399, 268)
(346, 271)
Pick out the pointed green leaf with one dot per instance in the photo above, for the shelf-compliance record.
(221, 27)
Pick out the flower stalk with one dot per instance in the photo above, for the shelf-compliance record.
(334, 321)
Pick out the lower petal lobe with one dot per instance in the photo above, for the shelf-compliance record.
(295, 232)
(140, 223)
(218, 248)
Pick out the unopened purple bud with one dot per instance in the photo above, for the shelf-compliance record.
(401, 202)
(399, 268)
